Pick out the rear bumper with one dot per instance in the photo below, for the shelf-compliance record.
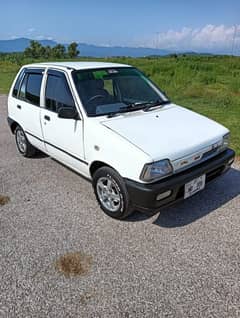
(143, 196)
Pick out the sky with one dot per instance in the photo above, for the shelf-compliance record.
(203, 25)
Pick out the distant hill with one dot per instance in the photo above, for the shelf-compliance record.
(19, 45)
(91, 50)
(102, 51)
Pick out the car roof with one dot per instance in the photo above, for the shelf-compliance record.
(78, 65)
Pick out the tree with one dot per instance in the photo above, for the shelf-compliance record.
(72, 50)
(58, 51)
(35, 50)
(48, 52)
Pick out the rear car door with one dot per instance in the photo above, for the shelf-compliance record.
(27, 105)
(63, 137)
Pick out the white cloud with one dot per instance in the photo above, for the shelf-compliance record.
(209, 38)
(31, 30)
(39, 37)
(43, 37)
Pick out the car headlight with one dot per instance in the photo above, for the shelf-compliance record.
(225, 141)
(156, 170)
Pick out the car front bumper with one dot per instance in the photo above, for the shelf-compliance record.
(144, 196)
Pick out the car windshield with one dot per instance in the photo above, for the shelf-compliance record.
(113, 90)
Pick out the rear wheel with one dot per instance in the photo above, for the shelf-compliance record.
(23, 145)
(111, 193)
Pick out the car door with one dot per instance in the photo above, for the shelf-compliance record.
(27, 104)
(63, 137)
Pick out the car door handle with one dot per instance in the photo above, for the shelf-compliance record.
(47, 118)
(19, 106)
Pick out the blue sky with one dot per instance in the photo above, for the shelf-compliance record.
(176, 24)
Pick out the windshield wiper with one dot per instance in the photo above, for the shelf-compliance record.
(154, 104)
(128, 108)
(146, 106)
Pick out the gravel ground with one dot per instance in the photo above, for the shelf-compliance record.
(181, 262)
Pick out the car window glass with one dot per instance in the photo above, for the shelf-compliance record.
(108, 90)
(23, 87)
(58, 93)
(33, 89)
(134, 87)
(17, 84)
(108, 85)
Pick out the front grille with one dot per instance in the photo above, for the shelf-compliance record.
(204, 157)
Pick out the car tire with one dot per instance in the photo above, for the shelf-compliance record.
(23, 145)
(111, 193)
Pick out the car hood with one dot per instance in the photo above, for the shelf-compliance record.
(171, 132)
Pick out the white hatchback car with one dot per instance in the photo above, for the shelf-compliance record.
(112, 125)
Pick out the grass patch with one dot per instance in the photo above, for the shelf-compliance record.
(209, 85)
(74, 264)
(4, 199)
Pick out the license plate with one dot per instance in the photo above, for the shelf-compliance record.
(194, 186)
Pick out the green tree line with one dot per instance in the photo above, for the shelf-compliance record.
(37, 50)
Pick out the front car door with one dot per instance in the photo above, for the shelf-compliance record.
(63, 137)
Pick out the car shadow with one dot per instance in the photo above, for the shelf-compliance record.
(39, 155)
(216, 194)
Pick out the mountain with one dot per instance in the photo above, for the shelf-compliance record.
(103, 51)
(19, 45)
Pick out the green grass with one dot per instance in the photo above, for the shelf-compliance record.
(209, 85)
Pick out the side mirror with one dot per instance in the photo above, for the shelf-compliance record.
(68, 112)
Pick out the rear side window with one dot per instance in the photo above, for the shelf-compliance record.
(58, 93)
(33, 89)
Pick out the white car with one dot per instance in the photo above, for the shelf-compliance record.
(112, 125)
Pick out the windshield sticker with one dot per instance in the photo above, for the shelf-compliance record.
(112, 71)
(100, 74)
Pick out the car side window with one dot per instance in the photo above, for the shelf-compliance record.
(31, 88)
(57, 92)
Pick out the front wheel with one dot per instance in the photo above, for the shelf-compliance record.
(111, 193)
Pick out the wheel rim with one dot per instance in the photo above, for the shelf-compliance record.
(108, 194)
(21, 141)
